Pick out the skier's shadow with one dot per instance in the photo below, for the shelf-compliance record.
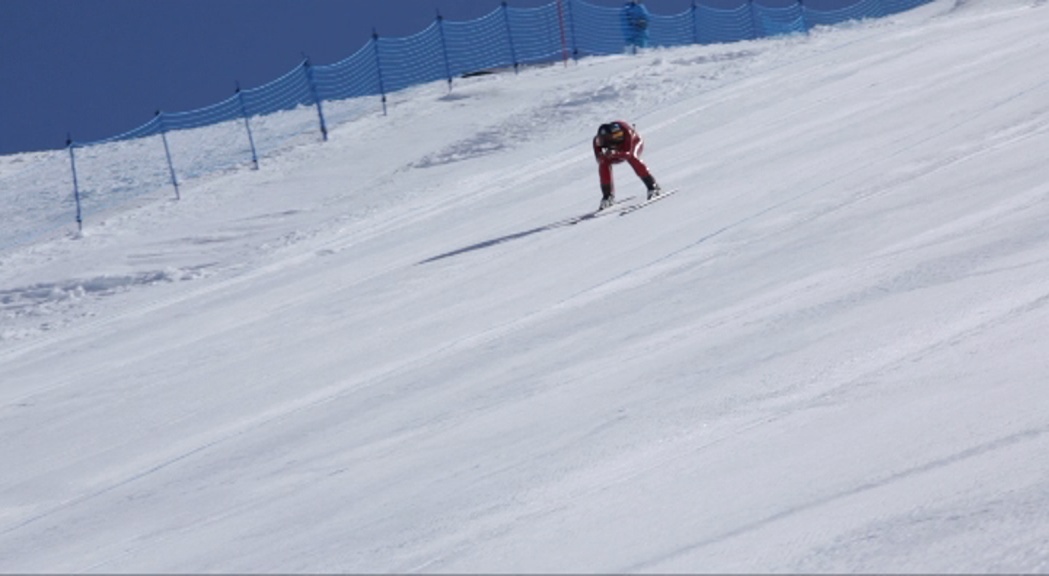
(503, 239)
(515, 236)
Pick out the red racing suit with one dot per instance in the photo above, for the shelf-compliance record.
(628, 150)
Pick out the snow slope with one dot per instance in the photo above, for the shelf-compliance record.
(390, 352)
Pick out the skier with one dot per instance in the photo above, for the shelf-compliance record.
(617, 142)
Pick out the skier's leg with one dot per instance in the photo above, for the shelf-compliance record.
(642, 172)
(604, 171)
(639, 166)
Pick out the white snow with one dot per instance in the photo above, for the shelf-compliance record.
(388, 353)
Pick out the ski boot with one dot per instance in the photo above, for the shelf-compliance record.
(653, 188)
(608, 198)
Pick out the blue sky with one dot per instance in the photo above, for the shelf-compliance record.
(97, 68)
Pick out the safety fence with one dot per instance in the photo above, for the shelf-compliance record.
(244, 127)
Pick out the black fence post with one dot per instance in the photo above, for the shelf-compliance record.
(247, 126)
(570, 16)
(308, 70)
(167, 152)
(76, 184)
(378, 69)
(758, 28)
(695, 24)
(561, 25)
(510, 35)
(444, 50)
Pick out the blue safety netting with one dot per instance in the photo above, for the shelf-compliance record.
(285, 93)
(506, 37)
(480, 44)
(416, 59)
(151, 128)
(717, 26)
(254, 121)
(352, 77)
(894, 6)
(774, 21)
(536, 33)
(675, 30)
(228, 109)
(858, 11)
(596, 29)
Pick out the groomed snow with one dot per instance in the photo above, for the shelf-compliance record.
(390, 353)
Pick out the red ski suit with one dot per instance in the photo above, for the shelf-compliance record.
(628, 150)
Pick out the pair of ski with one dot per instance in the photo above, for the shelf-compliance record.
(623, 207)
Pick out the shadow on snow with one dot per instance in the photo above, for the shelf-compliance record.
(517, 235)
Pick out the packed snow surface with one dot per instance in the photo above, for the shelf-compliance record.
(391, 352)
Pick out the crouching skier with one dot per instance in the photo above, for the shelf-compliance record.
(617, 142)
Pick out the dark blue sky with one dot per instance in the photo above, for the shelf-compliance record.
(97, 68)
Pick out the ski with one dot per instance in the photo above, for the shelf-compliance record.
(613, 209)
(640, 205)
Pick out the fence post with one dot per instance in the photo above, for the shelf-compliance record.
(308, 70)
(561, 22)
(804, 21)
(167, 152)
(247, 126)
(76, 185)
(695, 25)
(378, 69)
(570, 16)
(510, 35)
(444, 49)
(757, 27)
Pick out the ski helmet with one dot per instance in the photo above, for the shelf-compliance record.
(611, 133)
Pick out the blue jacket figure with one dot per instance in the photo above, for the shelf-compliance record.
(635, 24)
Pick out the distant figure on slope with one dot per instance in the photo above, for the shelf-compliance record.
(617, 142)
(635, 24)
